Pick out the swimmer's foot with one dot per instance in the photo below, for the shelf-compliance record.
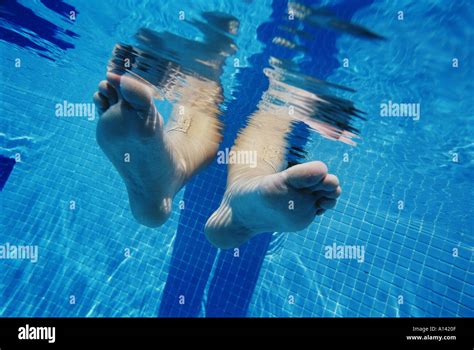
(130, 132)
(285, 201)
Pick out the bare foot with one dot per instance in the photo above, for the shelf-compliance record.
(285, 201)
(153, 165)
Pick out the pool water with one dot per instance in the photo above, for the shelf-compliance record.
(407, 183)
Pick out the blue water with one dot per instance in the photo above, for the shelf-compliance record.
(95, 260)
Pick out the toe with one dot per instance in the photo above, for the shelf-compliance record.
(114, 80)
(326, 200)
(137, 94)
(329, 194)
(326, 203)
(107, 90)
(329, 183)
(320, 211)
(101, 102)
(306, 175)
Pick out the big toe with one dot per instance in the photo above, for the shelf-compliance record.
(306, 175)
(137, 94)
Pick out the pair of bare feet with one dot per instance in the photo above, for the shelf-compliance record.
(156, 160)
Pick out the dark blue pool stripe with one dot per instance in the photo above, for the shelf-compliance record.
(193, 256)
(323, 49)
(6, 167)
(59, 7)
(22, 19)
(235, 278)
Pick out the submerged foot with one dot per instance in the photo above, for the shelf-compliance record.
(285, 201)
(130, 132)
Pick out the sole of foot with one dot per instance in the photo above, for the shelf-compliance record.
(282, 202)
